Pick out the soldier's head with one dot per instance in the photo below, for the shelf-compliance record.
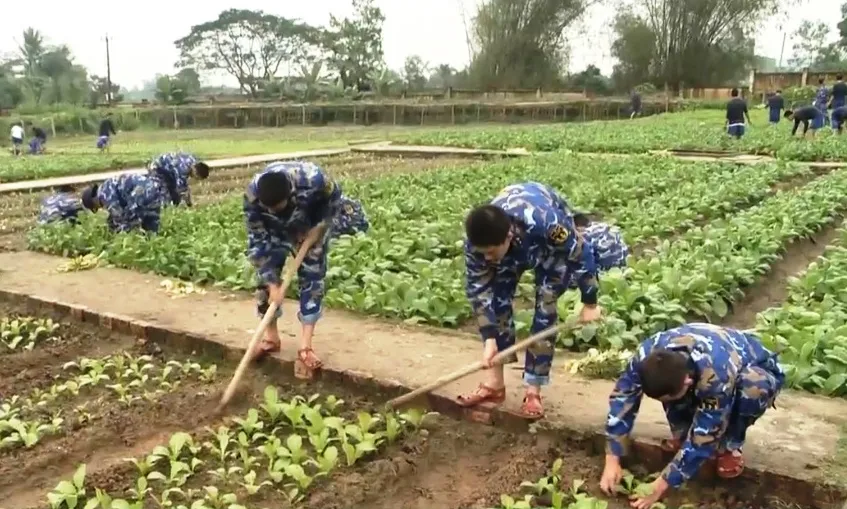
(581, 220)
(489, 231)
(789, 114)
(89, 198)
(65, 189)
(200, 170)
(665, 375)
(273, 191)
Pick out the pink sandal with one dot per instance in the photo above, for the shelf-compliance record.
(482, 394)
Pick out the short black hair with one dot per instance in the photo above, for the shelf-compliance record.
(734, 92)
(201, 169)
(663, 373)
(778, 91)
(273, 188)
(89, 198)
(820, 80)
(839, 76)
(787, 113)
(65, 189)
(581, 220)
(487, 226)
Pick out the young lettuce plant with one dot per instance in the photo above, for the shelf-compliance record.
(250, 485)
(69, 494)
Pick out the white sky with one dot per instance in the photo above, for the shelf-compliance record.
(143, 34)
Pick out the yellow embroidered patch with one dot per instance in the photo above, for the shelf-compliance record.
(348, 209)
(329, 187)
(709, 404)
(558, 234)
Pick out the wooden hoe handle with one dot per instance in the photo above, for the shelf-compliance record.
(478, 366)
(269, 315)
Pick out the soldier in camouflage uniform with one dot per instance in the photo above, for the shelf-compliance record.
(283, 205)
(62, 206)
(172, 172)
(527, 226)
(714, 383)
(131, 200)
(609, 247)
(350, 218)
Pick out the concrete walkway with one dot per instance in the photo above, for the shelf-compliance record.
(30, 185)
(799, 439)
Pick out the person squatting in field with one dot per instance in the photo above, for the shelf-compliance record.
(285, 204)
(526, 226)
(172, 171)
(610, 250)
(38, 141)
(736, 110)
(60, 206)
(804, 115)
(107, 129)
(132, 201)
(714, 383)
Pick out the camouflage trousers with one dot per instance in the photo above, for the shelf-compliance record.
(310, 280)
(756, 390)
(550, 284)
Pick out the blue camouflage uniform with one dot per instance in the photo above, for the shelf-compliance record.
(272, 236)
(610, 250)
(821, 99)
(735, 380)
(59, 207)
(131, 201)
(172, 172)
(545, 240)
(350, 218)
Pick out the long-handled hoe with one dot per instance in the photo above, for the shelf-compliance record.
(269, 316)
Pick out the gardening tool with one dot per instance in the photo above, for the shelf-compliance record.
(269, 314)
(500, 358)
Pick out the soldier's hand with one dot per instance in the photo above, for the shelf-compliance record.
(488, 352)
(611, 476)
(590, 313)
(275, 293)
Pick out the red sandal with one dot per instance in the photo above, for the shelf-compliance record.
(265, 347)
(730, 464)
(482, 394)
(532, 407)
(309, 359)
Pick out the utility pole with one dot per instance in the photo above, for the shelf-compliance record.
(781, 52)
(108, 74)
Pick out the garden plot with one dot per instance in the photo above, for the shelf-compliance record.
(135, 428)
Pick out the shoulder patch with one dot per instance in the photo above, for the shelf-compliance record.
(329, 186)
(348, 209)
(558, 234)
(709, 404)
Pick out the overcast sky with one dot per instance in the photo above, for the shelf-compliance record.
(143, 33)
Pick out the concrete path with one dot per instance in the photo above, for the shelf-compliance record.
(798, 439)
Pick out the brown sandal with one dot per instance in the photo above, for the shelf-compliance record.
(671, 444)
(309, 359)
(531, 407)
(265, 347)
(730, 465)
(482, 394)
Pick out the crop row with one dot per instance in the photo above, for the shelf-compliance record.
(410, 264)
(699, 130)
(25, 332)
(810, 327)
(125, 378)
(275, 453)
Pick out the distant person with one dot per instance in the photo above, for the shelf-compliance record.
(838, 116)
(804, 115)
(350, 219)
(736, 110)
(610, 250)
(776, 103)
(172, 172)
(635, 104)
(839, 96)
(107, 129)
(821, 101)
(132, 201)
(38, 141)
(17, 136)
(61, 206)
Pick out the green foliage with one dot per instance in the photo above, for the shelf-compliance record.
(24, 333)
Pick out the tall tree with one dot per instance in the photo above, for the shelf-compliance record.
(633, 49)
(354, 45)
(414, 72)
(31, 53)
(520, 42)
(189, 80)
(99, 91)
(443, 76)
(250, 46)
(812, 49)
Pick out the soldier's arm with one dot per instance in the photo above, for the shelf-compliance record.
(479, 287)
(261, 251)
(624, 403)
(324, 197)
(581, 259)
(715, 392)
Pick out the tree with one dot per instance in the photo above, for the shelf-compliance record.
(592, 81)
(633, 48)
(813, 52)
(31, 53)
(11, 94)
(99, 91)
(171, 90)
(189, 80)
(414, 72)
(354, 45)
(250, 46)
(443, 76)
(521, 43)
